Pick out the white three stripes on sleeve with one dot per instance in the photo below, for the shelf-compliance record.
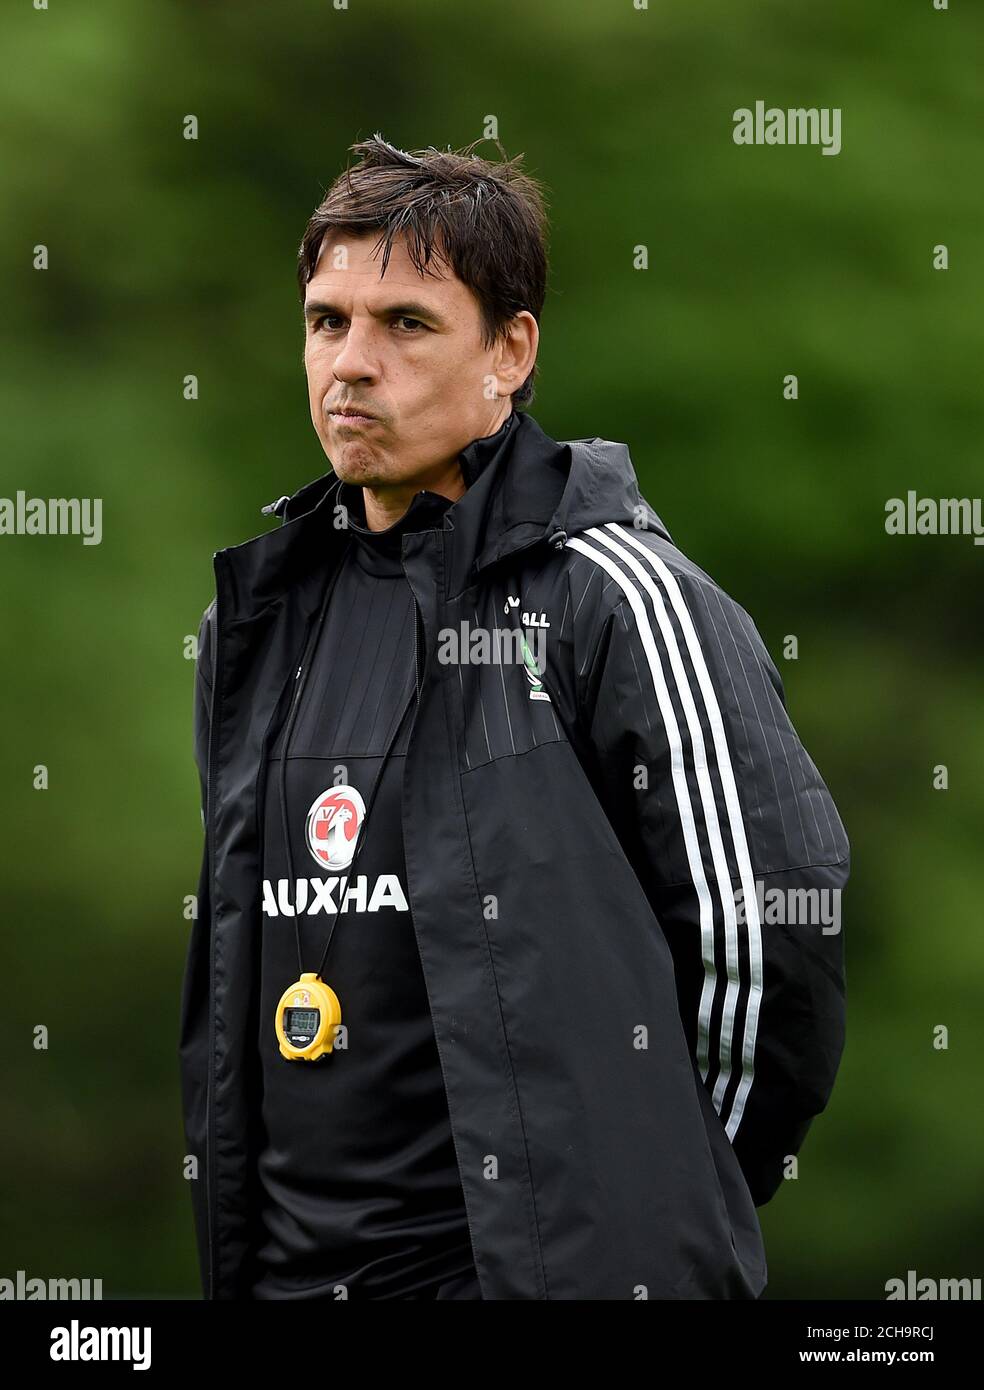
(617, 540)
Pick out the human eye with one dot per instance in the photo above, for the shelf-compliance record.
(322, 319)
(405, 318)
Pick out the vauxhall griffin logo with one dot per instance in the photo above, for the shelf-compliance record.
(331, 833)
(332, 827)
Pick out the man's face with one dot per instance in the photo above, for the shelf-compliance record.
(408, 350)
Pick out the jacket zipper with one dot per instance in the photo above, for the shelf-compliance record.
(211, 1058)
(418, 633)
(213, 722)
(210, 841)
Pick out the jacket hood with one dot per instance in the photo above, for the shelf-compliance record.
(524, 489)
(602, 486)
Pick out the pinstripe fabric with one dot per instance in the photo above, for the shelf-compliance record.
(499, 717)
(374, 632)
(703, 703)
(718, 881)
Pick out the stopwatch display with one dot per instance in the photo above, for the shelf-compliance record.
(308, 1018)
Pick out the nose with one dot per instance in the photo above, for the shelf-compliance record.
(354, 361)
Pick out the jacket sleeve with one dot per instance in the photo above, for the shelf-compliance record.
(194, 1029)
(732, 833)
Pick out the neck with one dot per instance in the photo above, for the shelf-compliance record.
(385, 505)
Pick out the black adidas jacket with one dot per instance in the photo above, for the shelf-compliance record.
(605, 851)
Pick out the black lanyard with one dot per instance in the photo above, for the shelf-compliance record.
(305, 667)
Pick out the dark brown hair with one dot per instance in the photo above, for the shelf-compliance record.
(487, 220)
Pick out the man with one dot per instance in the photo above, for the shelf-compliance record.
(481, 1000)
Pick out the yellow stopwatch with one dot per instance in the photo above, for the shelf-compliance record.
(308, 1017)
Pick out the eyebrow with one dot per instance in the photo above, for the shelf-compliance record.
(410, 309)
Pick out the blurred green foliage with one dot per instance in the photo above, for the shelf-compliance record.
(170, 257)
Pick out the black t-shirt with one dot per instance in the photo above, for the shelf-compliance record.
(358, 1171)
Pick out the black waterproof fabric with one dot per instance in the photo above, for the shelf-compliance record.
(605, 827)
(358, 1167)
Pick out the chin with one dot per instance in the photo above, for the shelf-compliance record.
(354, 463)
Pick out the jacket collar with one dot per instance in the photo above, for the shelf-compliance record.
(526, 489)
(472, 460)
(518, 484)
